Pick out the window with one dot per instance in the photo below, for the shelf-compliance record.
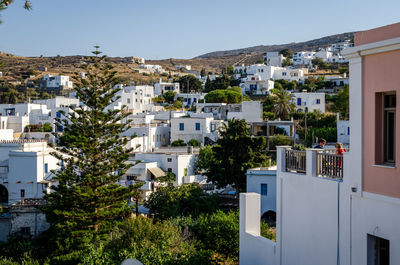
(46, 168)
(299, 102)
(318, 101)
(181, 126)
(22, 193)
(128, 101)
(185, 171)
(131, 178)
(169, 169)
(264, 189)
(284, 73)
(25, 231)
(389, 127)
(197, 126)
(169, 159)
(377, 251)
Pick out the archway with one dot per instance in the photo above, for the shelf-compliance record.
(270, 218)
(3, 194)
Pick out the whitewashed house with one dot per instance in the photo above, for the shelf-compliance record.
(190, 99)
(198, 127)
(251, 111)
(58, 81)
(311, 101)
(25, 176)
(162, 87)
(274, 59)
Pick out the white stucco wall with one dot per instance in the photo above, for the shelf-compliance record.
(253, 248)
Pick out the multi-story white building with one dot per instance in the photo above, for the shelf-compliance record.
(180, 161)
(162, 87)
(137, 99)
(347, 206)
(198, 127)
(58, 81)
(25, 176)
(148, 136)
(251, 111)
(274, 59)
(256, 85)
(311, 101)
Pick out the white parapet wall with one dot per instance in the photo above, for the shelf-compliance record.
(253, 248)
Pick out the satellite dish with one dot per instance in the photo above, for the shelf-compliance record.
(131, 262)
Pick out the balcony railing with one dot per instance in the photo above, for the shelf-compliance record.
(330, 165)
(296, 161)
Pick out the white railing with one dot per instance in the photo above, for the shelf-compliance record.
(296, 161)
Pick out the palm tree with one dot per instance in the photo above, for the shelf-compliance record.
(283, 105)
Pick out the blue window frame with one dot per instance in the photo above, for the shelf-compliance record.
(318, 101)
(181, 126)
(264, 189)
(348, 130)
(46, 168)
(58, 114)
(299, 102)
(197, 126)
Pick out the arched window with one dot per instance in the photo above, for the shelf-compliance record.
(3, 194)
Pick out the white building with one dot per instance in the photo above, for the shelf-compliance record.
(303, 58)
(136, 99)
(58, 102)
(312, 101)
(180, 161)
(148, 136)
(190, 99)
(274, 59)
(162, 87)
(263, 181)
(201, 128)
(256, 85)
(25, 175)
(58, 81)
(251, 111)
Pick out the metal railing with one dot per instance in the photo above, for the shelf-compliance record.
(330, 165)
(296, 161)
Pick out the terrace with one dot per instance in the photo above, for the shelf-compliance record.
(323, 163)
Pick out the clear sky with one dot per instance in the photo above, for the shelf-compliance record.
(160, 29)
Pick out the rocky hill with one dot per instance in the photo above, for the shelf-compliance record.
(295, 46)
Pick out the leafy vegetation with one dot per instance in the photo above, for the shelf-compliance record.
(178, 142)
(236, 151)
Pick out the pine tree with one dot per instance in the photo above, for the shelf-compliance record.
(86, 198)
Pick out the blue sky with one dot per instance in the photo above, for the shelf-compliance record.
(159, 29)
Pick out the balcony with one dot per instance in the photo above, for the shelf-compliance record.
(313, 162)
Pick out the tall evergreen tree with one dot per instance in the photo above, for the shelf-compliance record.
(87, 199)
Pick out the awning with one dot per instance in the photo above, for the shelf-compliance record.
(157, 172)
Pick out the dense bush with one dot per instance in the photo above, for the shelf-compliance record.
(194, 143)
(278, 140)
(223, 96)
(184, 200)
(178, 142)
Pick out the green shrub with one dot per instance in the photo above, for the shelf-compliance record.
(194, 143)
(178, 142)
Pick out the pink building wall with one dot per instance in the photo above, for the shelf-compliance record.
(377, 34)
(381, 73)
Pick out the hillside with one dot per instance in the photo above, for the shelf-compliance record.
(16, 67)
(295, 46)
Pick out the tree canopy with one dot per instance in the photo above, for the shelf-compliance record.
(188, 83)
(235, 152)
(87, 198)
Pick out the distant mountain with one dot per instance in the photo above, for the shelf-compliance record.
(295, 46)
